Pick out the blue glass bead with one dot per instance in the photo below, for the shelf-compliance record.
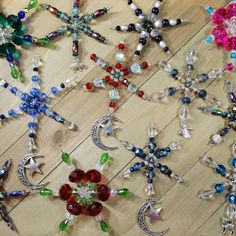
(10, 58)
(32, 112)
(25, 97)
(131, 169)
(219, 188)
(14, 90)
(54, 90)
(155, 10)
(21, 15)
(144, 155)
(152, 146)
(174, 73)
(152, 140)
(61, 120)
(151, 159)
(233, 162)
(34, 92)
(133, 149)
(209, 10)
(35, 79)
(168, 149)
(151, 175)
(142, 164)
(150, 181)
(28, 38)
(158, 165)
(5, 85)
(233, 55)
(74, 10)
(220, 169)
(62, 85)
(42, 108)
(202, 93)
(12, 113)
(172, 91)
(32, 125)
(151, 150)
(232, 198)
(186, 100)
(137, 166)
(209, 39)
(24, 107)
(138, 152)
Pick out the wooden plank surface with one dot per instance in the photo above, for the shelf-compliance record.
(183, 212)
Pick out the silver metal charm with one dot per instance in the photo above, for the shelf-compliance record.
(104, 123)
(147, 209)
(29, 158)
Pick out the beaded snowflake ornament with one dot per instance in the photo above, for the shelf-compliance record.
(75, 24)
(5, 196)
(34, 104)
(12, 35)
(224, 32)
(150, 166)
(227, 189)
(229, 116)
(86, 194)
(149, 26)
(187, 88)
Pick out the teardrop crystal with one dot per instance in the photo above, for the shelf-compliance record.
(231, 211)
(208, 161)
(206, 194)
(215, 73)
(160, 95)
(165, 66)
(191, 57)
(184, 113)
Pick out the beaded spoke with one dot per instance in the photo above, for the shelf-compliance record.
(188, 85)
(149, 26)
(229, 116)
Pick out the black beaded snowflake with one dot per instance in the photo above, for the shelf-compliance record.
(149, 26)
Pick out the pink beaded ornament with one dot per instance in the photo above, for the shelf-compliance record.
(224, 32)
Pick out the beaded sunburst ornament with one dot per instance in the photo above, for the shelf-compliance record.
(188, 86)
(34, 104)
(229, 116)
(227, 189)
(86, 194)
(149, 26)
(12, 35)
(224, 32)
(75, 24)
(6, 195)
(150, 166)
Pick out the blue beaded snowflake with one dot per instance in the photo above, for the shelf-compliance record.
(150, 160)
(35, 103)
(228, 189)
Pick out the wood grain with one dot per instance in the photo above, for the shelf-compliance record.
(183, 212)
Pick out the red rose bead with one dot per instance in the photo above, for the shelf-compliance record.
(125, 72)
(140, 94)
(121, 46)
(94, 209)
(89, 86)
(112, 104)
(109, 69)
(103, 192)
(145, 65)
(93, 176)
(65, 192)
(93, 57)
(115, 84)
(118, 66)
(74, 208)
(76, 176)
(107, 78)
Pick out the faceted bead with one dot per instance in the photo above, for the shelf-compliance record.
(63, 225)
(74, 208)
(232, 198)
(33, 3)
(15, 73)
(202, 93)
(94, 209)
(45, 192)
(219, 188)
(229, 67)
(104, 226)
(65, 192)
(14, 22)
(103, 192)
(124, 192)
(43, 42)
(7, 48)
(76, 176)
(220, 169)
(233, 162)
(93, 175)
(66, 158)
(104, 158)
(3, 20)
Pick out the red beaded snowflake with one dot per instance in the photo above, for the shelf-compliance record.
(117, 76)
(86, 196)
(224, 32)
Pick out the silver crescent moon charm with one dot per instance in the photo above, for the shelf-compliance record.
(104, 123)
(142, 222)
(21, 172)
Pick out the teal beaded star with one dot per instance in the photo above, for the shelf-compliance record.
(12, 33)
(227, 188)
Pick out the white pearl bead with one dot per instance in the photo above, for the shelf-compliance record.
(133, 6)
(124, 27)
(216, 138)
(162, 44)
(139, 47)
(158, 24)
(173, 22)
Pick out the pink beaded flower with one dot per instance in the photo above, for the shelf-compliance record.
(224, 32)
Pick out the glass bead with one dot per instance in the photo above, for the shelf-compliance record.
(33, 4)
(103, 192)
(65, 192)
(74, 207)
(104, 158)
(219, 188)
(220, 169)
(66, 158)
(63, 225)
(45, 192)
(93, 175)
(104, 226)
(76, 176)
(232, 198)
(135, 68)
(233, 162)
(94, 209)
(124, 192)
(15, 73)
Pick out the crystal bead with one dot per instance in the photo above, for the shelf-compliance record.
(166, 67)
(114, 94)
(231, 211)
(125, 174)
(101, 63)
(94, 209)
(152, 132)
(120, 56)
(208, 161)
(191, 57)
(136, 68)
(229, 88)
(99, 167)
(216, 138)
(215, 73)
(65, 192)
(132, 88)
(185, 131)
(184, 113)
(176, 178)
(103, 192)
(36, 61)
(113, 192)
(70, 125)
(99, 83)
(157, 97)
(206, 194)
(150, 190)
(33, 3)
(99, 217)
(175, 145)
(93, 175)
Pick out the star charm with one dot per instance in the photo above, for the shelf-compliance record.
(153, 214)
(33, 166)
(109, 128)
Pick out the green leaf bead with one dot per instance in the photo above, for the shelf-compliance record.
(63, 225)
(43, 42)
(105, 227)
(33, 4)
(15, 73)
(66, 158)
(45, 192)
(124, 192)
(104, 158)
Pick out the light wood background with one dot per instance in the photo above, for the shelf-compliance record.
(183, 212)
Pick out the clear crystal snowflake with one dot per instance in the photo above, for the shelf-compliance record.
(188, 85)
(149, 163)
(229, 116)
(6, 195)
(149, 26)
(35, 103)
(74, 25)
(117, 76)
(228, 189)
